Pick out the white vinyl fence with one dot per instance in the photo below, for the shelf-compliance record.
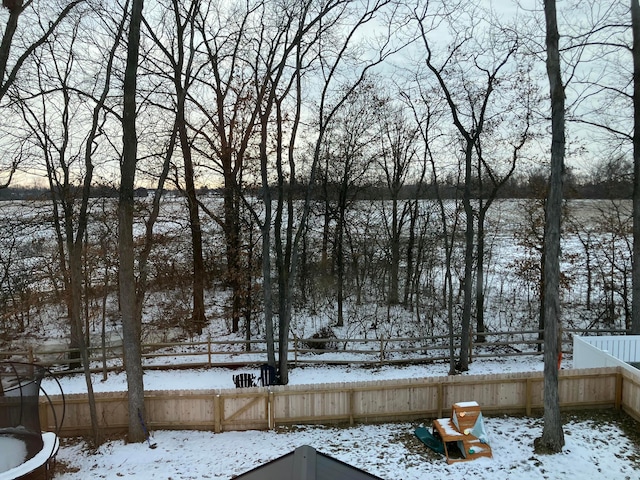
(613, 351)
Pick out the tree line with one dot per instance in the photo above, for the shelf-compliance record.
(611, 185)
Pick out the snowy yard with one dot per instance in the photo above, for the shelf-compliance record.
(598, 444)
(594, 449)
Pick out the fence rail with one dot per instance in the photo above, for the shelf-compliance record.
(263, 408)
(355, 351)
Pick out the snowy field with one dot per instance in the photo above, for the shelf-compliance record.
(596, 444)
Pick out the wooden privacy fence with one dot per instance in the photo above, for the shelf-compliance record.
(262, 408)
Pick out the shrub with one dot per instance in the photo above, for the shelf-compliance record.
(324, 334)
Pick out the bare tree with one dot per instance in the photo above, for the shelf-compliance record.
(8, 72)
(398, 154)
(469, 104)
(552, 435)
(180, 57)
(131, 324)
(55, 123)
(304, 28)
(293, 38)
(228, 128)
(496, 165)
(449, 217)
(601, 34)
(635, 289)
(348, 158)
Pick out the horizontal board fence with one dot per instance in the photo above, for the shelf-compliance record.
(354, 351)
(261, 408)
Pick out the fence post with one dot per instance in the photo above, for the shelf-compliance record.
(528, 392)
(43, 413)
(440, 399)
(381, 350)
(351, 406)
(209, 349)
(217, 414)
(271, 411)
(619, 383)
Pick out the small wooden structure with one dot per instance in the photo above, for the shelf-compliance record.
(460, 429)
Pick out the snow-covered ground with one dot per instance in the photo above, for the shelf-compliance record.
(591, 452)
(207, 378)
(594, 448)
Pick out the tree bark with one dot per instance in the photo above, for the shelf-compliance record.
(236, 277)
(341, 225)
(198, 317)
(469, 235)
(635, 275)
(267, 277)
(552, 435)
(131, 325)
(480, 327)
(7, 39)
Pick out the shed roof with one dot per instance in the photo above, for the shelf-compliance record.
(305, 463)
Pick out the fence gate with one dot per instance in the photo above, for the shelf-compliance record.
(242, 411)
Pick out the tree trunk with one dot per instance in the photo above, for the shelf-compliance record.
(394, 272)
(635, 275)
(552, 435)
(75, 271)
(198, 317)
(267, 282)
(248, 304)
(448, 239)
(340, 259)
(131, 326)
(326, 220)
(480, 277)
(235, 272)
(465, 330)
(410, 274)
(267, 278)
(7, 39)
